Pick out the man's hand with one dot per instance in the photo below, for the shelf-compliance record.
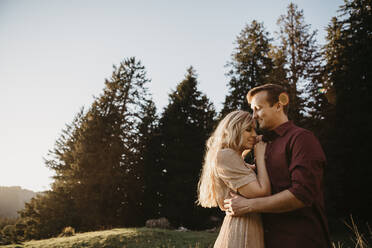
(236, 205)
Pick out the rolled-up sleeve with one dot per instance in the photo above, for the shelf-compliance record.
(232, 170)
(306, 167)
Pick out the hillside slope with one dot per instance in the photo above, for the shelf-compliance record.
(12, 199)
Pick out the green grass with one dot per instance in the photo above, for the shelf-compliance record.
(127, 238)
(161, 238)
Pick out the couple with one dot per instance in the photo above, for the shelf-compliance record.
(279, 205)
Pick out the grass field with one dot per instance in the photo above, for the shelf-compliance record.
(127, 238)
(158, 238)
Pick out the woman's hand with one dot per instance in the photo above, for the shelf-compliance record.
(244, 153)
(251, 166)
(259, 150)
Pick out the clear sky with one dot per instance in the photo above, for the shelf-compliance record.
(55, 55)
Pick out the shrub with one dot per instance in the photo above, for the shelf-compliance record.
(158, 223)
(3, 240)
(8, 234)
(67, 232)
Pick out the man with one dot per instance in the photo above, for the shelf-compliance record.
(294, 215)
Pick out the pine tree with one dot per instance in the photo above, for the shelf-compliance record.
(298, 46)
(278, 74)
(125, 101)
(98, 159)
(185, 125)
(250, 66)
(349, 61)
(47, 214)
(149, 144)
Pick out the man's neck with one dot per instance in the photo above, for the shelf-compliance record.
(281, 121)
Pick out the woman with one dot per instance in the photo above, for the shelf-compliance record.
(224, 170)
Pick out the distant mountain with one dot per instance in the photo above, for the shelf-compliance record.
(13, 199)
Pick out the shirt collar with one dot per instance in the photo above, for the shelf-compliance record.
(283, 128)
(278, 131)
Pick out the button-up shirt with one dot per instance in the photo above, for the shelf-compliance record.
(295, 161)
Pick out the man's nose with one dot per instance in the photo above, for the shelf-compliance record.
(255, 116)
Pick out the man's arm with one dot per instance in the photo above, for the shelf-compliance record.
(281, 202)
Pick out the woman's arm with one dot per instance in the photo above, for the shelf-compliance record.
(260, 187)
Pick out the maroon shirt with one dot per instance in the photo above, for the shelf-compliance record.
(295, 161)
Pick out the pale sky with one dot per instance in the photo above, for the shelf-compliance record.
(55, 55)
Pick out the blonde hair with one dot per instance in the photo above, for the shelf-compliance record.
(228, 134)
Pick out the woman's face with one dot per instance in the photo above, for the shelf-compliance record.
(249, 138)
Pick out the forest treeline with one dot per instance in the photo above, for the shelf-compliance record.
(119, 163)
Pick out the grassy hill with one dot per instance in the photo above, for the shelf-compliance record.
(128, 238)
(161, 238)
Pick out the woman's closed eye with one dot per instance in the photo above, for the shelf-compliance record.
(249, 129)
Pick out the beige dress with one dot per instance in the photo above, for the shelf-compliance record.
(243, 231)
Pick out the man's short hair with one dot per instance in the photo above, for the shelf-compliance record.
(273, 92)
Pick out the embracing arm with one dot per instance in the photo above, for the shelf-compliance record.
(281, 202)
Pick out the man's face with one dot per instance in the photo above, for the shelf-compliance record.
(263, 112)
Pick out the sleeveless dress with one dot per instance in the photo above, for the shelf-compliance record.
(242, 231)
